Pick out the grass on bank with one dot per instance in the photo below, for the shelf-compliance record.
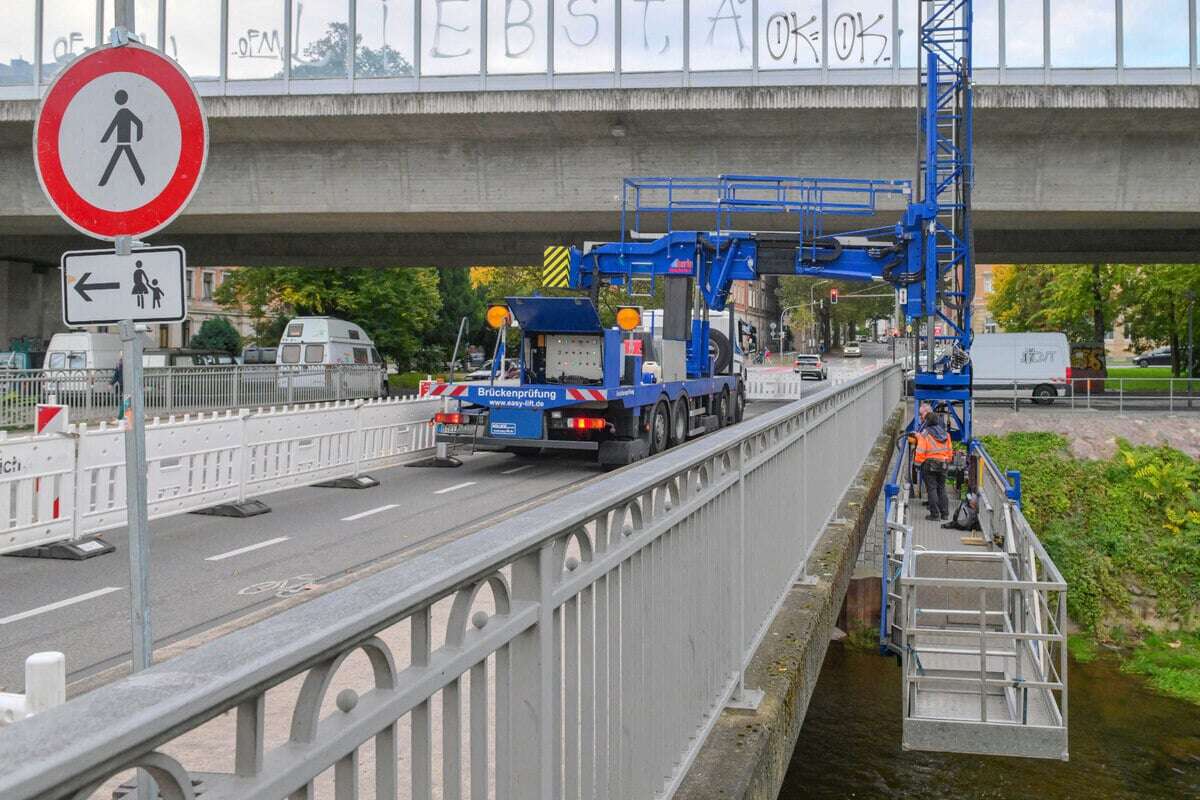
(1125, 532)
(1145, 380)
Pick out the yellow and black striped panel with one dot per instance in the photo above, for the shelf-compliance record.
(556, 270)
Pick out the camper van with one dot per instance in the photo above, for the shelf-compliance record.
(310, 344)
(1037, 365)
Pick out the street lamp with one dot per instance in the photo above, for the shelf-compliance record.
(783, 314)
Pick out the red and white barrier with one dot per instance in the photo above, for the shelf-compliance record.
(58, 487)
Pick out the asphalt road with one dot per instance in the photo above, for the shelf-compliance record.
(206, 571)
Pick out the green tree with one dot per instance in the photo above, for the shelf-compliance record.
(1155, 299)
(397, 306)
(850, 313)
(217, 334)
(1081, 300)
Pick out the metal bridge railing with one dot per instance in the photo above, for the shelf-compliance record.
(583, 648)
(176, 390)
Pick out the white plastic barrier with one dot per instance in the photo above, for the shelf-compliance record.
(37, 487)
(60, 487)
(191, 463)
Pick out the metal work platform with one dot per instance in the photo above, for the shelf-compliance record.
(978, 619)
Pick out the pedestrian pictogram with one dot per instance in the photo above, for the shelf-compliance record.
(120, 142)
(100, 287)
(123, 124)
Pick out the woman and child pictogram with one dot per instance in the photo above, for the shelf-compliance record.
(142, 287)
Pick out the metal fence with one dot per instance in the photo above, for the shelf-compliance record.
(581, 649)
(176, 390)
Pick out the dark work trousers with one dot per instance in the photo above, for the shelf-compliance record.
(935, 487)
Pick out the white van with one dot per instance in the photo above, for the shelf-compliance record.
(309, 343)
(1036, 365)
(68, 354)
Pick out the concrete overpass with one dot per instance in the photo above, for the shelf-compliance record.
(1066, 173)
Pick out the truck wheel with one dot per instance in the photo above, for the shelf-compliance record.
(658, 436)
(739, 403)
(722, 409)
(719, 351)
(1044, 395)
(680, 420)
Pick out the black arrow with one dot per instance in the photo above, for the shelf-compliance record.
(83, 287)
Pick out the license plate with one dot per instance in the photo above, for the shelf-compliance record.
(444, 428)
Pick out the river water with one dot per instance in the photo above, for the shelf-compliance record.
(1125, 742)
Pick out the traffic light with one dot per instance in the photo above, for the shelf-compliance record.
(833, 296)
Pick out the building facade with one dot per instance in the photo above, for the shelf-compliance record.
(755, 303)
(200, 289)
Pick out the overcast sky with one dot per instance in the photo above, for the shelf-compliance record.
(721, 34)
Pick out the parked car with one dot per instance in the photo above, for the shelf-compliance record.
(810, 366)
(1158, 357)
(512, 370)
(259, 355)
(852, 350)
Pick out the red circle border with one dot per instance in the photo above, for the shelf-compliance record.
(193, 148)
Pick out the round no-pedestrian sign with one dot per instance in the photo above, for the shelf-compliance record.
(120, 141)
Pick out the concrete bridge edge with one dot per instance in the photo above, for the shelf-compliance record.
(747, 753)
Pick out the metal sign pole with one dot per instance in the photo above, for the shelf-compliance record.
(135, 494)
(137, 514)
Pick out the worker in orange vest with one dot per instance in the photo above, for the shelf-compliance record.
(933, 451)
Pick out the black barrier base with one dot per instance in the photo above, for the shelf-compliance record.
(361, 482)
(250, 508)
(434, 461)
(67, 551)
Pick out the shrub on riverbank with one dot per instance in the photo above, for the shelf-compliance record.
(1126, 534)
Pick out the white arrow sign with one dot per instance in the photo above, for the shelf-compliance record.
(100, 287)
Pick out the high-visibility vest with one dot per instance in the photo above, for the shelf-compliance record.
(931, 448)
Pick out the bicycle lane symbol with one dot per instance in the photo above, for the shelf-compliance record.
(281, 588)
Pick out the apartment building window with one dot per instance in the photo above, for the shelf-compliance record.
(987, 284)
(208, 286)
(164, 336)
(187, 287)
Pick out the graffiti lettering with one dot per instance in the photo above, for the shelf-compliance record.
(510, 23)
(259, 44)
(784, 32)
(850, 33)
(646, 32)
(732, 15)
(64, 46)
(436, 51)
(595, 23)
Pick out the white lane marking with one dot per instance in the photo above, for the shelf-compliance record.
(70, 601)
(455, 487)
(362, 514)
(248, 548)
(521, 468)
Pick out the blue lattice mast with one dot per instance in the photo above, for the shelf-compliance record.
(945, 181)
